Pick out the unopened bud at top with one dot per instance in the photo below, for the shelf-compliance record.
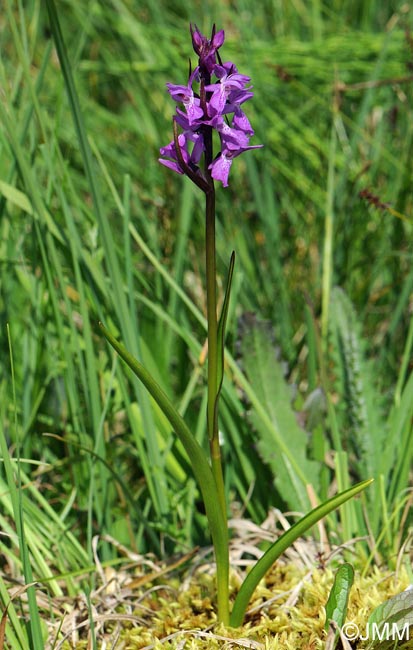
(206, 48)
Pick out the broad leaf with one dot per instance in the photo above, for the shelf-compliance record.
(360, 403)
(281, 440)
(392, 622)
(337, 603)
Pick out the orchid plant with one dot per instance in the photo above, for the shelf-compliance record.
(212, 101)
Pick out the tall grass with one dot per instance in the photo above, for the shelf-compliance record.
(91, 227)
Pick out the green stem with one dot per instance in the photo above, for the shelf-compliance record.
(213, 388)
(210, 262)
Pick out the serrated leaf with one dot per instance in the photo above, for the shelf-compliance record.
(281, 441)
(337, 603)
(356, 385)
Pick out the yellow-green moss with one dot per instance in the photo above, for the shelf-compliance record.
(287, 612)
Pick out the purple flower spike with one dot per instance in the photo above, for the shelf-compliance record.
(220, 91)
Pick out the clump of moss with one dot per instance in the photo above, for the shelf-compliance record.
(287, 612)
(173, 606)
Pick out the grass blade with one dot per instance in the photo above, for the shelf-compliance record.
(15, 488)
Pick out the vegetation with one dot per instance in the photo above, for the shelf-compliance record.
(318, 383)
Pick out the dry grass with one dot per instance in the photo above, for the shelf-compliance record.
(151, 605)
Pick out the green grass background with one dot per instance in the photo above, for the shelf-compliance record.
(93, 228)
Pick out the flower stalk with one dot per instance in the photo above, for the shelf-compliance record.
(213, 387)
(207, 111)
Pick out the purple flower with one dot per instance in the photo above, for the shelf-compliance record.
(236, 98)
(170, 152)
(231, 138)
(241, 122)
(222, 164)
(185, 94)
(228, 83)
(191, 159)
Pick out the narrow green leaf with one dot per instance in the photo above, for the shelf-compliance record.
(20, 199)
(16, 197)
(197, 456)
(337, 603)
(287, 539)
(14, 481)
(128, 324)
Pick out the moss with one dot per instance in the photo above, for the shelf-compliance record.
(174, 609)
(287, 612)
